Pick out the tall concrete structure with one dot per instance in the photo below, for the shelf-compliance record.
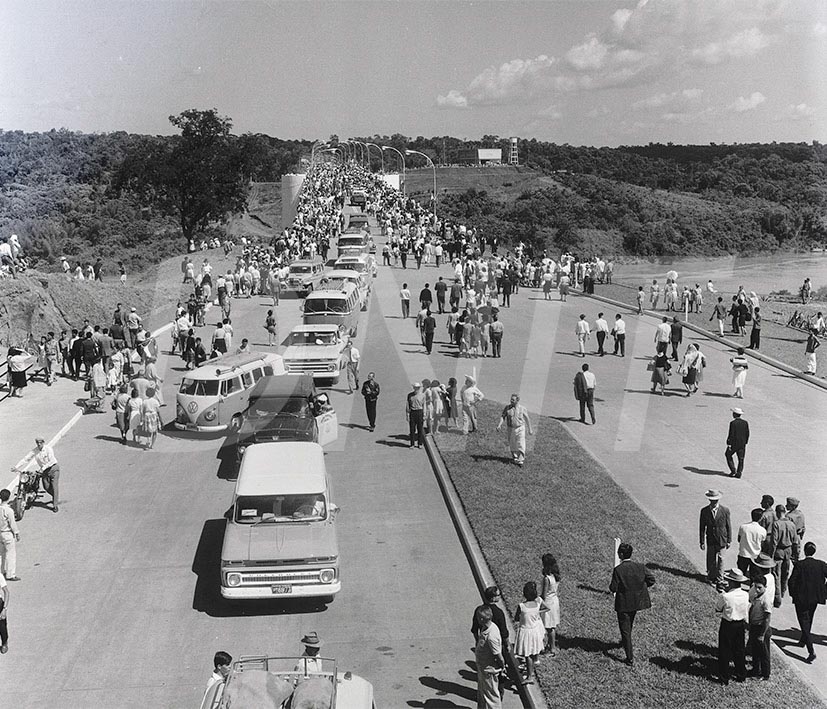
(513, 157)
(291, 186)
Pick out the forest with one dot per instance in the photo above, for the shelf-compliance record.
(88, 195)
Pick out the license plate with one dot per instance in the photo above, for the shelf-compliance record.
(192, 427)
(280, 589)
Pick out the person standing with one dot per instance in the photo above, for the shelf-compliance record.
(736, 443)
(630, 583)
(496, 332)
(601, 328)
(405, 299)
(733, 607)
(4, 612)
(515, 416)
(370, 390)
(810, 350)
(415, 414)
(583, 332)
(654, 294)
(221, 669)
(426, 297)
(470, 396)
(808, 588)
(715, 534)
(441, 288)
(755, 333)
(740, 366)
(428, 330)
(9, 536)
(675, 337)
(796, 516)
(619, 333)
(719, 313)
(489, 659)
(352, 357)
(584, 385)
(272, 327)
(783, 541)
(751, 538)
(456, 294)
(662, 336)
(641, 297)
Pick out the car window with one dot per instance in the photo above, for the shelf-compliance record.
(268, 370)
(198, 387)
(257, 373)
(250, 509)
(230, 386)
(270, 406)
(247, 378)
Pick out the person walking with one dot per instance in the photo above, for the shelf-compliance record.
(470, 396)
(440, 288)
(733, 608)
(405, 299)
(796, 516)
(352, 357)
(496, 331)
(370, 390)
(783, 541)
(428, 330)
(584, 385)
(120, 404)
(689, 368)
(660, 372)
(4, 613)
(808, 589)
(551, 597)
(272, 327)
(663, 333)
(736, 443)
(9, 536)
(601, 329)
(755, 333)
(751, 538)
(719, 313)
(583, 332)
(426, 297)
(415, 414)
(740, 366)
(619, 334)
(151, 421)
(715, 534)
(675, 337)
(810, 350)
(489, 659)
(630, 583)
(515, 416)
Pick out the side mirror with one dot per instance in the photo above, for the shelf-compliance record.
(334, 510)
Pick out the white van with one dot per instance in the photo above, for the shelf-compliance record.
(280, 540)
(337, 276)
(340, 306)
(363, 263)
(213, 396)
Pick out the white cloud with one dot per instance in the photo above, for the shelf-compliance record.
(589, 55)
(453, 99)
(551, 112)
(746, 43)
(620, 18)
(819, 29)
(674, 98)
(750, 103)
(799, 111)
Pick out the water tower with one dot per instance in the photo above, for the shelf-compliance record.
(513, 158)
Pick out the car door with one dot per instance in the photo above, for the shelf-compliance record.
(328, 424)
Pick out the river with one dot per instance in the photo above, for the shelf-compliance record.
(759, 273)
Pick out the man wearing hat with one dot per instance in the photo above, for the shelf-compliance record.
(415, 413)
(808, 588)
(760, 622)
(736, 443)
(470, 396)
(796, 516)
(715, 533)
(733, 607)
(310, 662)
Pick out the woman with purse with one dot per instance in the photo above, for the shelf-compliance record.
(688, 368)
(660, 367)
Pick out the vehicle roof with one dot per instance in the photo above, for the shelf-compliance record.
(343, 292)
(351, 258)
(321, 327)
(229, 365)
(358, 215)
(301, 385)
(344, 273)
(305, 261)
(282, 468)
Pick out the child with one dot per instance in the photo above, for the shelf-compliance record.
(551, 619)
(640, 298)
(530, 632)
(760, 616)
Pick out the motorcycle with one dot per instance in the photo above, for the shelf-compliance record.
(28, 490)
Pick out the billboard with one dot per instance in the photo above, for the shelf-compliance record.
(392, 179)
(490, 154)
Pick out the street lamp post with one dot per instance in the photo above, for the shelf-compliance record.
(381, 155)
(433, 167)
(402, 158)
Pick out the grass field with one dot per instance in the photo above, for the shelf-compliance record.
(565, 503)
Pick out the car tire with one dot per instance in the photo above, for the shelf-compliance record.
(327, 600)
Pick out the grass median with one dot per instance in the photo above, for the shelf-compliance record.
(565, 503)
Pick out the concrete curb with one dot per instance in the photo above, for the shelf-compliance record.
(530, 695)
(809, 378)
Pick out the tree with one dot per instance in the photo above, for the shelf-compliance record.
(197, 177)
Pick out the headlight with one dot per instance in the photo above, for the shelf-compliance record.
(327, 575)
(209, 415)
(331, 367)
(24, 477)
(233, 579)
(241, 450)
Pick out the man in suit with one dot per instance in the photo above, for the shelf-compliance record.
(808, 588)
(630, 584)
(736, 443)
(715, 533)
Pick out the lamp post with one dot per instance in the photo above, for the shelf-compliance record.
(433, 167)
(381, 155)
(365, 153)
(402, 158)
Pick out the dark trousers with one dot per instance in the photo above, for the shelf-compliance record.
(714, 562)
(416, 427)
(755, 339)
(805, 612)
(506, 300)
(601, 338)
(741, 453)
(429, 341)
(675, 350)
(625, 621)
(370, 409)
(440, 301)
(588, 402)
(620, 344)
(496, 344)
(781, 572)
(662, 347)
(77, 361)
(759, 648)
(731, 648)
(744, 563)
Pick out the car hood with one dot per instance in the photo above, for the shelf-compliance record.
(279, 541)
(311, 352)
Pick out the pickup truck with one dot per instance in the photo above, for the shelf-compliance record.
(315, 350)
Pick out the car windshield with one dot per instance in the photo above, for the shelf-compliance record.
(350, 241)
(264, 509)
(199, 387)
(357, 266)
(325, 305)
(299, 269)
(267, 407)
(313, 338)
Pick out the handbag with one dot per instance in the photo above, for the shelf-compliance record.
(87, 385)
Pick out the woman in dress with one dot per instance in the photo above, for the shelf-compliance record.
(551, 618)
(450, 408)
(485, 335)
(660, 372)
(133, 415)
(114, 376)
(689, 368)
(97, 381)
(530, 633)
(151, 417)
(272, 329)
(151, 373)
(434, 398)
(548, 281)
(474, 345)
(699, 368)
(739, 372)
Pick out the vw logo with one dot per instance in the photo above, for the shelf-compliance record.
(192, 407)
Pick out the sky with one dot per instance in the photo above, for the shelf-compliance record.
(583, 72)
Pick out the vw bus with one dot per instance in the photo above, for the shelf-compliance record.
(364, 263)
(339, 275)
(353, 244)
(280, 537)
(339, 306)
(213, 396)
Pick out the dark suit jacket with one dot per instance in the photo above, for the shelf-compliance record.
(808, 582)
(717, 531)
(630, 584)
(738, 436)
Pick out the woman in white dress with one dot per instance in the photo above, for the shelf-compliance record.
(151, 417)
(434, 405)
(133, 413)
(739, 372)
(551, 618)
(531, 633)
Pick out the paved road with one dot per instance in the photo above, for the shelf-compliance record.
(119, 599)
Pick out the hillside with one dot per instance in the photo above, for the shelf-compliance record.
(263, 216)
(502, 182)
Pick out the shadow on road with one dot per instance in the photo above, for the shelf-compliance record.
(226, 454)
(683, 573)
(705, 471)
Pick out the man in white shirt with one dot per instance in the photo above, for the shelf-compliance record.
(221, 668)
(583, 332)
(44, 456)
(352, 357)
(733, 607)
(310, 662)
(601, 328)
(405, 298)
(619, 333)
(9, 536)
(750, 538)
(662, 336)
